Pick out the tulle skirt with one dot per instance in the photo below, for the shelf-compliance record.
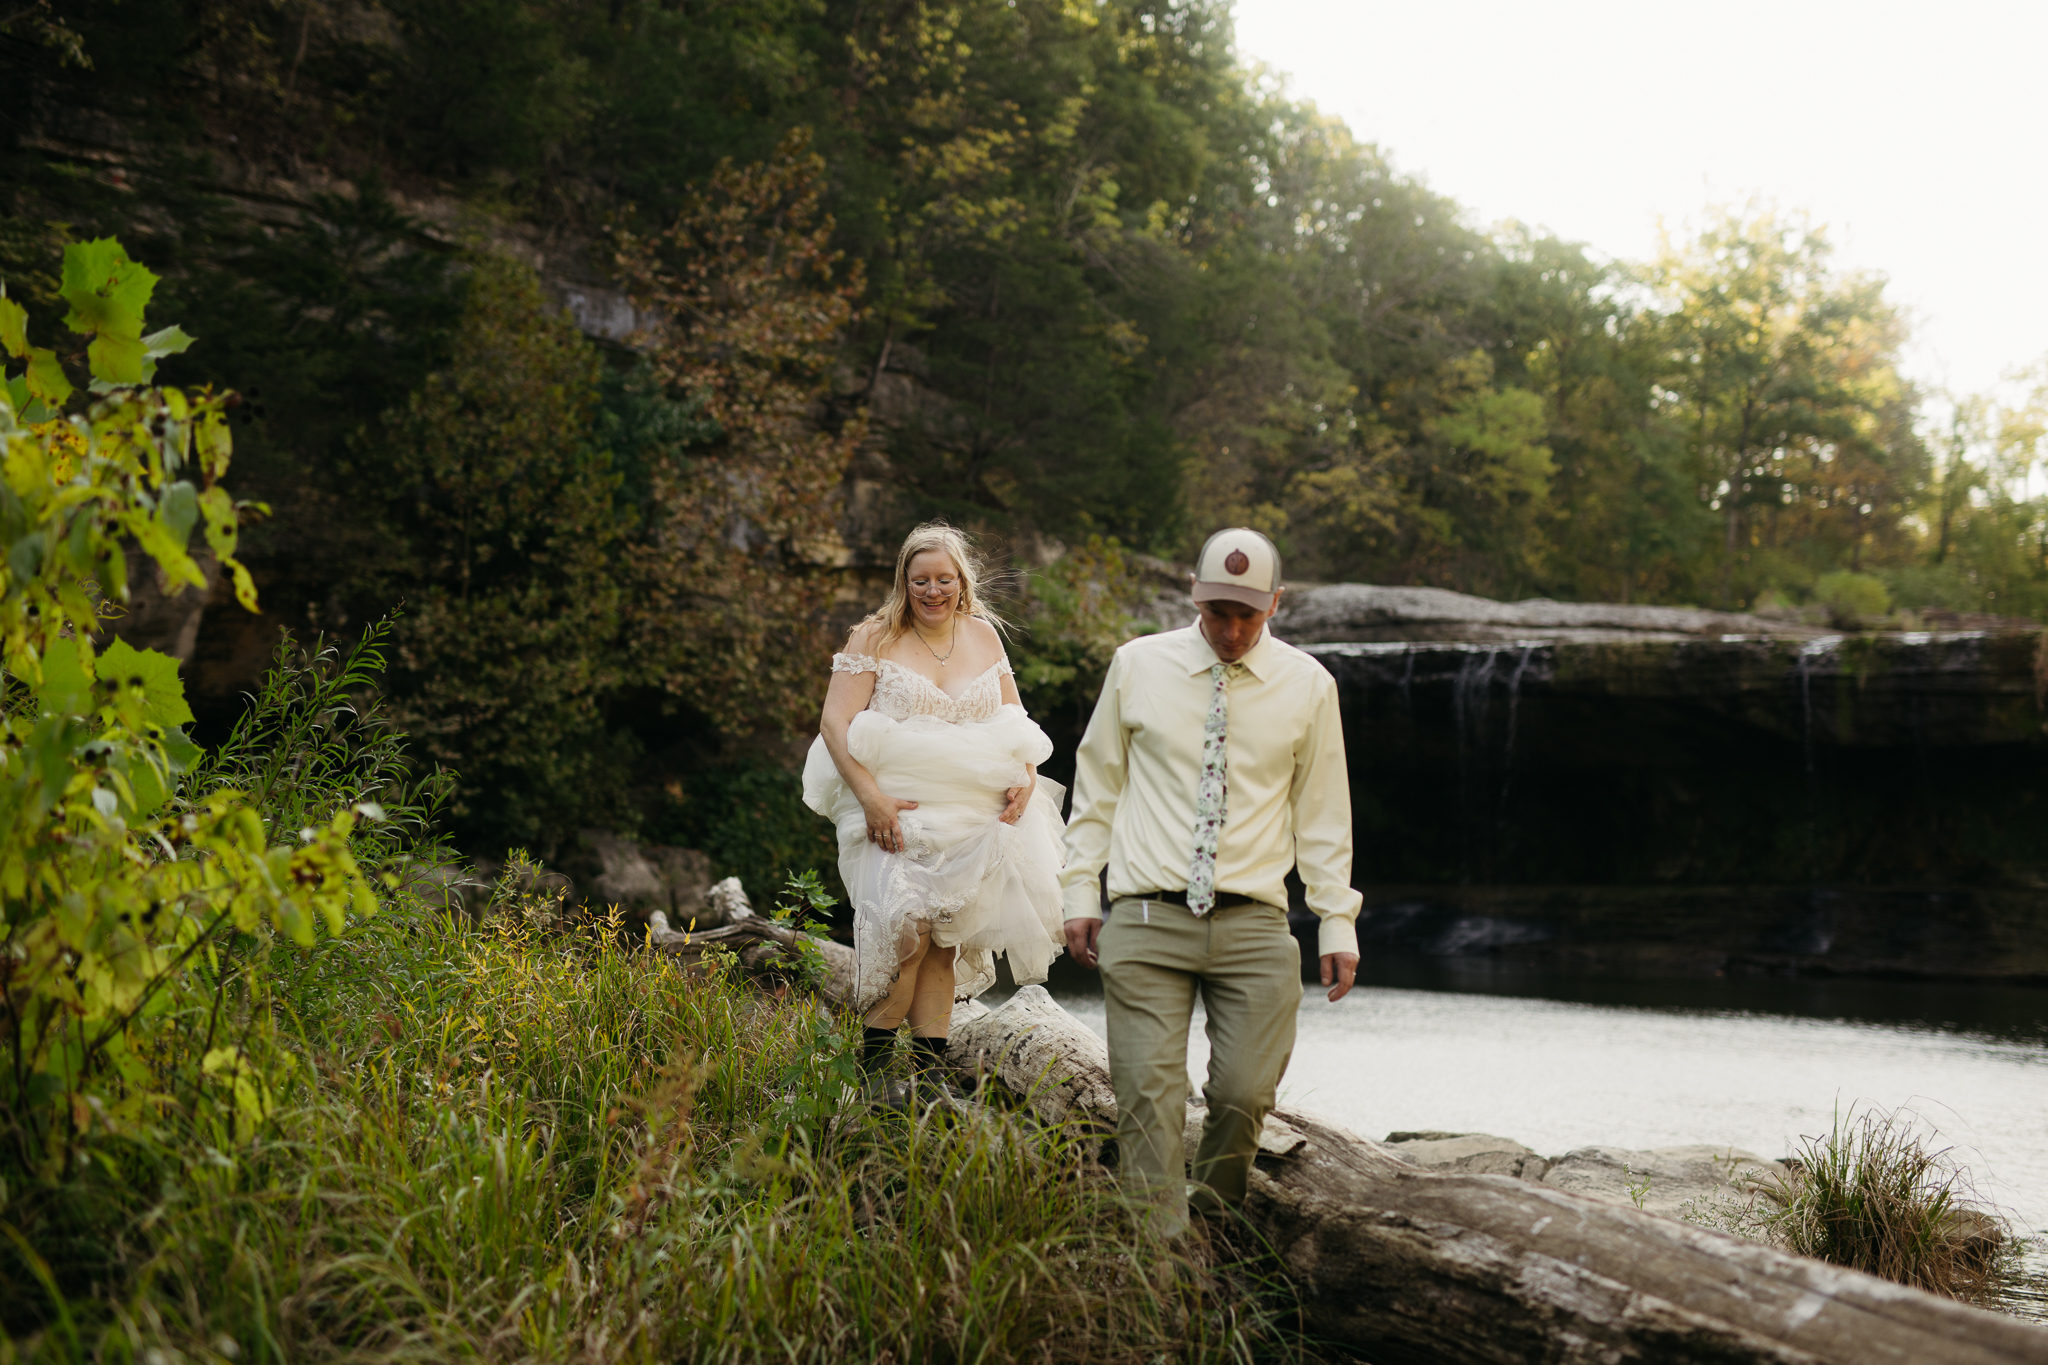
(984, 887)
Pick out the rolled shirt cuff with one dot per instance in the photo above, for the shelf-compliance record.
(1338, 934)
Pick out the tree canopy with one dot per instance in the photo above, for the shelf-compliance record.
(1068, 273)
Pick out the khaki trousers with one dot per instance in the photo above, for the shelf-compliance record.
(1154, 957)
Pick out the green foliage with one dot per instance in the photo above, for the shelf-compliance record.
(749, 818)
(112, 892)
(805, 906)
(1078, 610)
(315, 738)
(1853, 598)
(1783, 375)
(495, 516)
(728, 612)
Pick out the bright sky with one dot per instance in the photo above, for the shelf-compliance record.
(1917, 132)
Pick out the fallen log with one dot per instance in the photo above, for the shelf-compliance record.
(759, 942)
(1415, 1267)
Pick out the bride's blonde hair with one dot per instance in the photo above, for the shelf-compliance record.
(896, 613)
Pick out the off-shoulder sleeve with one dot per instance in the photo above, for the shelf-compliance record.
(856, 663)
(1003, 669)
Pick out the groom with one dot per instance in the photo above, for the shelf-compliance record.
(1214, 763)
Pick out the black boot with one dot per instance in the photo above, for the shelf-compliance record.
(875, 1046)
(928, 1058)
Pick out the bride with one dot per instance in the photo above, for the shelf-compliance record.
(949, 843)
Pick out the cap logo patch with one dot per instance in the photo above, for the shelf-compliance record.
(1236, 562)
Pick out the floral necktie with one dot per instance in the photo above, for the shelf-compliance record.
(1212, 796)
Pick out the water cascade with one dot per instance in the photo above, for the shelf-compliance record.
(1649, 790)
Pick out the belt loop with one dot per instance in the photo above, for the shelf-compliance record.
(1148, 910)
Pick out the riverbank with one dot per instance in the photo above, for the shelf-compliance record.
(503, 1144)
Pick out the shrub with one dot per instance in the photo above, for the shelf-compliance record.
(1076, 611)
(114, 888)
(1853, 599)
(1870, 1196)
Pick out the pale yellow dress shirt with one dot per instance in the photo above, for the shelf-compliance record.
(1289, 803)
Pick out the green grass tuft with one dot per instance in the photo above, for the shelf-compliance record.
(1870, 1196)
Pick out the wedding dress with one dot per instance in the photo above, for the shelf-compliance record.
(984, 886)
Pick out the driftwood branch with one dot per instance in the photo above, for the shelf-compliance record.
(759, 942)
(1408, 1265)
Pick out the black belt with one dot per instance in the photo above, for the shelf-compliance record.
(1225, 900)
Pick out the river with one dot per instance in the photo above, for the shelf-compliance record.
(1557, 1063)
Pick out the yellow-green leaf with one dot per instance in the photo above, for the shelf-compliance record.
(107, 291)
(163, 692)
(46, 379)
(67, 677)
(13, 326)
(245, 586)
(116, 359)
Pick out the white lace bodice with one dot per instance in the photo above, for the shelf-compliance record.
(901, 692)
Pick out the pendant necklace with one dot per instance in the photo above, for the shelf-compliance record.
(955, 644)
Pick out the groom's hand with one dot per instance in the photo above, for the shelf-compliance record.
(1081, 940)
(1338, 970)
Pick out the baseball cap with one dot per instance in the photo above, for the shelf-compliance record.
(1238, 565)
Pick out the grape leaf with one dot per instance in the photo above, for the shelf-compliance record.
(67, 678)
(163, 692)
(46, 379)
(115, 358)
(13, 326)
(223, 524)
(107, 292)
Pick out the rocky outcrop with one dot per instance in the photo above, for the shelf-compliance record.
(155, 618)
(1472, 1153)
(640, 879)
(1362, 612)
(613, 872)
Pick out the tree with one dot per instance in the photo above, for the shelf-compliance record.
(1783, 374)
(728, 613)
(487, 515)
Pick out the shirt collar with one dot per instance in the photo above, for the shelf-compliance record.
(1258, 660)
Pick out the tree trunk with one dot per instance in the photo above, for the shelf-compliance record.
(1407, 1265)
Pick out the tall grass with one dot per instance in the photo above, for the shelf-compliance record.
(1871, 1196)
(503, 1146)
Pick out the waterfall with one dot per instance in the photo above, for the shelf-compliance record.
(1813, 649)
(1482, 802)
